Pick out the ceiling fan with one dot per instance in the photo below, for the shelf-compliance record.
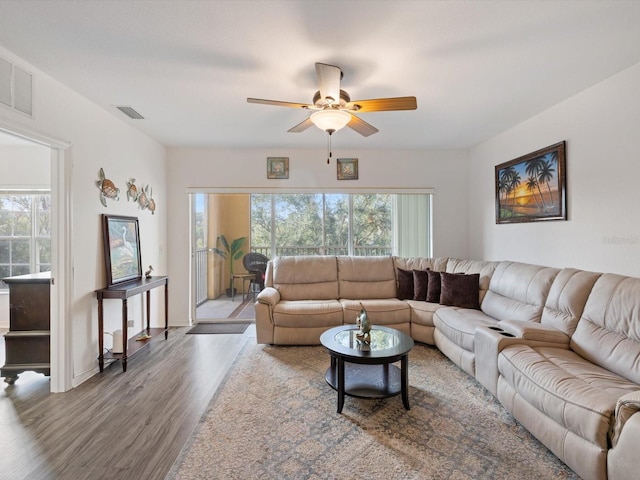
(333, 108)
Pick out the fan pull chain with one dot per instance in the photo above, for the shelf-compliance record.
(330, 132)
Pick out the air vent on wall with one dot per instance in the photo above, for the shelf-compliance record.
(130, 112)
(16, 87)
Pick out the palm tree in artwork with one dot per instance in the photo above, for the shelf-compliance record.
(514, 181)
(507, 176)
(502, 188)
(547, 171)
(532, 184)
(533, 167)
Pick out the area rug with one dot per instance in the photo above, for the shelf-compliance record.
(220, 328)
(274, 416)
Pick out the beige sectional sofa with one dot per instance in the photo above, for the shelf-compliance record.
(559, 348)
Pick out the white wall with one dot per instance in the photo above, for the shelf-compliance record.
(444, 171)
(98, 139)
(602, 129)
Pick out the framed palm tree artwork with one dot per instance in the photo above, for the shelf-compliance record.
(532, 188)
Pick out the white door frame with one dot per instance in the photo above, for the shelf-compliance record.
(61, 255)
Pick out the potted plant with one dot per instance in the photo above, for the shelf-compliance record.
(231, 252)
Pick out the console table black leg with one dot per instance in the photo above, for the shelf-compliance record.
(340, 372)
(125, 336)
(404, 380)
(100, 334)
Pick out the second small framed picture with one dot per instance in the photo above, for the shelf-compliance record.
(347, 169)
(277, 167)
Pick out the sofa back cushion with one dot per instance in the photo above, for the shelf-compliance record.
(608, 333)
(485, 269)
(567, 298)
(366, 277)
(518, 291)
(305, 277)
(438, 264)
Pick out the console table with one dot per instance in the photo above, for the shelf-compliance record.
(123, 292)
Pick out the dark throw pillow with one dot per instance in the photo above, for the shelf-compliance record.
(460, 290)
(433, 289)
(405, 284)
(420, 282)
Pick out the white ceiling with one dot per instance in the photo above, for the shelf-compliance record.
(477, 68)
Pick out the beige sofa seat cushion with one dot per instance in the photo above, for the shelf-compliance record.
(366, 277)
(575, 393)
(305, 277)
(608, 334)
(567, 298)
(388, 311)
(459, 325)
(422, 312)
(518, 291)
(308, 313)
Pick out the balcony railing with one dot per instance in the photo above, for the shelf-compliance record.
(201, 275)
(374, 251)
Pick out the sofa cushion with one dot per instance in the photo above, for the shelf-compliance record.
(567, 298)
(389, 311)
(518, 291)
(405, 284)
(420, 283)
(572, 391)
(422, 312)
(608, 333)
(438, 264)
(459, 325)
(366, 277)
(433, 286)
(306, 277)
(484, 268)
(460, 290)
(308, 313)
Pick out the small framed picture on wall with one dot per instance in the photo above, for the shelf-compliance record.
(347, 169)
(277, 167)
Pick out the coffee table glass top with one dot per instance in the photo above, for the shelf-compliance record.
(386, 343)
(380, 340)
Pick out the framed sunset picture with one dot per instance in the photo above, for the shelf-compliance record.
(532, 188)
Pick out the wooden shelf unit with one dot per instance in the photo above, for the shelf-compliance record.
(28, 342)
(123, 292)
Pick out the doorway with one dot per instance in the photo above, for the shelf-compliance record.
(31, 164)
(220, 232)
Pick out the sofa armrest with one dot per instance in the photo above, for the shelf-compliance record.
(269, 296)
(267, 299)
(627, 406)
(622, 459)
(488, 343)
(535, 332)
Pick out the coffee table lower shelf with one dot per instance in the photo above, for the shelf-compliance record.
(367, 381)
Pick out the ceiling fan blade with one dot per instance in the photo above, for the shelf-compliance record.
(360, 126)
(329, 82)
(383, 104)
(301, 127)
(278, 103)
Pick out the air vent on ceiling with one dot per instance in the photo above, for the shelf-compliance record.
(130, 112)
(16, 87)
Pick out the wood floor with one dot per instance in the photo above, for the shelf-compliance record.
(116, 425)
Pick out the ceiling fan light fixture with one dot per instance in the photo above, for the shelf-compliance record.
(330, 119)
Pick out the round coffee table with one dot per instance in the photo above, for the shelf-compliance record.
(366, 371)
